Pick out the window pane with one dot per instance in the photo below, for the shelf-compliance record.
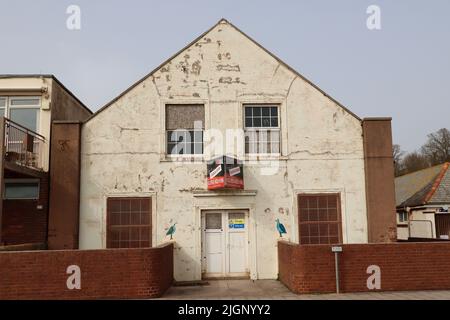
(187, 148)
(25, 117)
(176, 136)
(2, 112)
(275, 136)
(251, 135)
(263, 135)
(213, 221)
(171, 148)
(23, 190)
(275, 147)
(274, 122)
(257, 122)
(188, 136)
(248, 111)
(256, 111)
(176, 149)
(274, 112)
(266, 122)
(171, 136)
(2, 102)
(233, 215)
(248, 122)
(198, 136)
(198, 148)
(25, 102)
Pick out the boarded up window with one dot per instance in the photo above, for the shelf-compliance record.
(184, 116)
(129, 223)
(319, 219)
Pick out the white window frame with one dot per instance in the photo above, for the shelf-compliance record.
(8, 107)
(400, 217)
(269, 129)
(20, 181)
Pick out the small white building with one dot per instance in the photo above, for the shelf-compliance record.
(423, 202)
(307, 161)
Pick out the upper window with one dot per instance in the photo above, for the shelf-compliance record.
(21, 189)
(22, 110)
(262, 130)
(184, 129)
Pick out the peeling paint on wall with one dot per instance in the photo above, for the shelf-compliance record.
(123, 150)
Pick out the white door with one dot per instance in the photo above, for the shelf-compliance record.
(224, 244)
(237, 243)
(214, 243)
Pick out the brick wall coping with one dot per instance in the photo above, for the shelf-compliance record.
(29, 248)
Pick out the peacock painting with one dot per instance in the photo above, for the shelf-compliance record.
(280, 227)
(171, 231)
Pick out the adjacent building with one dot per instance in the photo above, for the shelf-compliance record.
(423, 201)
(154, 166)
(29, 104)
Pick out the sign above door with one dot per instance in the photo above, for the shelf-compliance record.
(225, 173)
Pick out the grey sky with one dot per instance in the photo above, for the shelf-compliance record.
(402, 70)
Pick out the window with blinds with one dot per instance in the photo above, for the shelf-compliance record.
(129, 222)
(319, 219)
(184, 129)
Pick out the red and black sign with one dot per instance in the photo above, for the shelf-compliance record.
(225, 173)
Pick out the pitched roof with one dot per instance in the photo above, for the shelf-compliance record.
(427, 186)
(222, 21)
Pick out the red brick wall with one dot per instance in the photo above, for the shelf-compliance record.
(404, 266)
(23, 222)
(111, 273)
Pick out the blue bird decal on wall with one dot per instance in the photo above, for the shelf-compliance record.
(280, 227)
(171, 231)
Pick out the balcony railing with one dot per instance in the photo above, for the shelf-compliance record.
(23, 146)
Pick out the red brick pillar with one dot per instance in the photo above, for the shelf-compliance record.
(379, 171)
(64, 206)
